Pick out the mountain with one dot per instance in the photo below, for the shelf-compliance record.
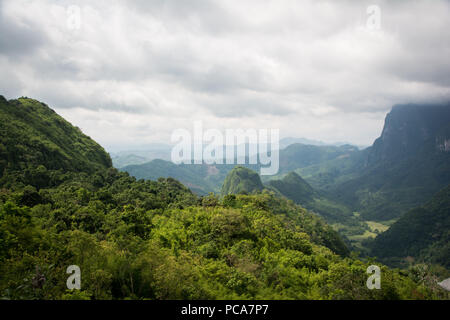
(405, 166)
(141, 154)
(143, 239)
(410, 131)
(200, 178)
(326, 175)
(203, 178)
(285, 142)
(123, 160)
(112, 225)
(32, 135)
(196, 177)
(241, 180)
(422, 233)
(299, 155)
(293, 187)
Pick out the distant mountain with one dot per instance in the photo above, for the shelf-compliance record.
(32, 135)
(285, 142)
(402, 170)
(193, 176)
(293, 187)
(123, 160)
(241, 180)
(155, 239)
(422, 233)
(404, 167)
(203, 178)
(300, 155)
(140, 155)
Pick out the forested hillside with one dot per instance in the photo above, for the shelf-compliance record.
(33, 135)
(242, 180)
(406, 165)
(156, 239)
(422, 233)
(293, 187)
(402, 170)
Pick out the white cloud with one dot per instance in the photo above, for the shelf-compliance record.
(136, 70)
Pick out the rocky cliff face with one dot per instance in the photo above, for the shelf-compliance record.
(411, 129)
(406, 165)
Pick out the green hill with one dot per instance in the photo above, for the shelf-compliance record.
(293, 187)
(32, 135)
(143, 239)
(406, 165)
(241, 180)
(422, 233)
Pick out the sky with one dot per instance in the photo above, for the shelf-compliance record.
(129, 73)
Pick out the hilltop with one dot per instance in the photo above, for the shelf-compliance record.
(33, 138)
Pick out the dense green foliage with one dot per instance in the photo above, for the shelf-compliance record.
(32, 135)
(422, 233)
(156, 239)
(293, 187)
(402, 170)
(242, 180)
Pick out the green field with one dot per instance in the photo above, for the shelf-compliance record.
(373, 225)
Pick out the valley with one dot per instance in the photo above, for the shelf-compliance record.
(360, 192)
(220, 233)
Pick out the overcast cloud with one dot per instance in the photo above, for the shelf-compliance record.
(136, 70)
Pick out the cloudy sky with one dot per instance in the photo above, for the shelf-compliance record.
(130, 72)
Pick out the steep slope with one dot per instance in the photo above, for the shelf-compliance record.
(404, 167)
(423, 233)
(241, 180)
(137, 239)
(409, 131)
(293, 187)
(33, 135)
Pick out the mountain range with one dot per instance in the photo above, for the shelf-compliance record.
(401, 170)
(63, 203)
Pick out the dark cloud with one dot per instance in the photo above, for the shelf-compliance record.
(236, 63)
(18, 37)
